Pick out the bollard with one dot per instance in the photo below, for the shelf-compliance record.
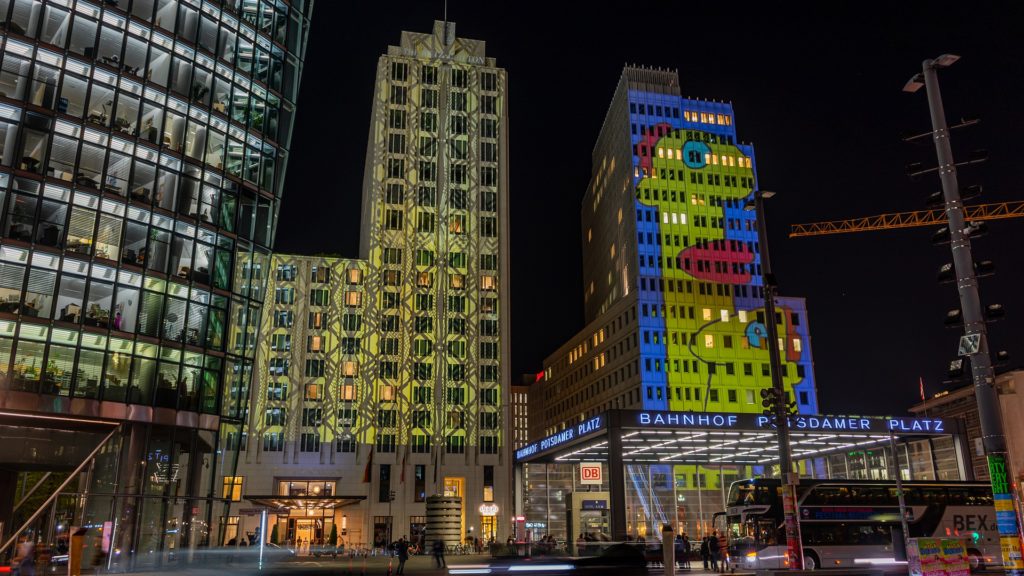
(668, 549)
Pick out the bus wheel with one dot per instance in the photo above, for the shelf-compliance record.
(975, 560)
(811, 561)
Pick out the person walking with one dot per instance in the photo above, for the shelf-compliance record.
(705, 552)
(713, 550)
(402, 551)
(686, 550)
(439, 553)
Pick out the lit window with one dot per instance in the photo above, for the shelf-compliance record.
(682, 219)
(355, 276)
(315, 344)
(782, 345)
(732, 160)
(675, 218)
(797, 345)
(233, 488)
(488, 282)
(703, 116)
(725, 315)
(353, 298)
(661, 152)
(457, 281)
(664, 217)
(348, 392)
(707, 158)
(709, 340)
(350, 369)
(743, 316)
(706, 313)
(424, 279)
(387, 393)
(679, 154)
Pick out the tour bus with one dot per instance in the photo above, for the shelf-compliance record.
(844, 523)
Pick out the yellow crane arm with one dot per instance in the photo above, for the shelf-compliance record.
(976, 213)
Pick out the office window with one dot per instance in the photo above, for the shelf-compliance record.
(488, 445)
(309, 442)
(455, 395)
(385, 443)
(489, 421)
(274, 417)
(312, 416)
(315, 367)
(455, 444)
(314, 392)
(314, 343)
(233, 488)
(273, 441)
(387, 418)
(489, 397)
(355, 276)
(353, 298)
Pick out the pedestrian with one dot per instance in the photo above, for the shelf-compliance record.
(705, 552)
(24, 561)
(686, 550)
(713, 550)
(402, 551)
(439, 553)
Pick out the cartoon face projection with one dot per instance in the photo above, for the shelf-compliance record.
(711, 309)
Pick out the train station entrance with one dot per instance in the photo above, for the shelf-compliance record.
(625, 473)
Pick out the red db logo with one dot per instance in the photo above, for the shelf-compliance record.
(590, 473)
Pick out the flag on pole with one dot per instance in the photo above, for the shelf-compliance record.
(369, 464)
(921, 381)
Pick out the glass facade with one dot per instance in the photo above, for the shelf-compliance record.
(143, 146)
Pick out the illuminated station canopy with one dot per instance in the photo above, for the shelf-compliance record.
(652, 437)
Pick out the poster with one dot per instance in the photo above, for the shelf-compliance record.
(937, 557)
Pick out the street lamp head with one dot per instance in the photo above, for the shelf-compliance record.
(945, 61)
(914, 84)
(766, 193)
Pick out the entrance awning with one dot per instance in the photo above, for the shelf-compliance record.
(304, 502)
(659, 437)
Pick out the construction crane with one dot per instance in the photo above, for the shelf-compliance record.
(894, 220)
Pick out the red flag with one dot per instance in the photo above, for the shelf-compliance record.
(921, 380)
(369, 464)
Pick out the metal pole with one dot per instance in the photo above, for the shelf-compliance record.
(899, 491)
(788, 478)
(982, 373)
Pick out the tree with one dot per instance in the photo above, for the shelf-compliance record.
(333, 538)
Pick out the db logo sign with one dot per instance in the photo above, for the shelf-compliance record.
(590, 473)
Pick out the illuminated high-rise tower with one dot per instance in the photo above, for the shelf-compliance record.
(435, 234)
(672, 280)
(387, 377)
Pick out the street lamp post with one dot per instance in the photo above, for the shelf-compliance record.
(789, 479)
(975, 336)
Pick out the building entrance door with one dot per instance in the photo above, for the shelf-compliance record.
(304, 534)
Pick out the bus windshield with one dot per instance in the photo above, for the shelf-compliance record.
(752, 492)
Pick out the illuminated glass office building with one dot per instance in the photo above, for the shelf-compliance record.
(143, 146)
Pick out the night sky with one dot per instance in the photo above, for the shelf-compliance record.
(817, 93)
